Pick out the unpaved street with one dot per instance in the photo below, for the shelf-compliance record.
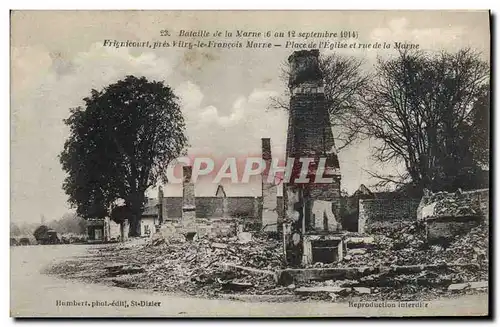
(36, 294)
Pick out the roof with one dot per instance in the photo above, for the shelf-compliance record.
(220, 192)
(363, 190)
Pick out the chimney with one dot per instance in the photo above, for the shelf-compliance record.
(160, 205)
(305, 70)
(309, 136)
(267, 207)
(188, 198)
(266, 149)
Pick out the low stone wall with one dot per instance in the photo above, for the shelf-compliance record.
(385, 211)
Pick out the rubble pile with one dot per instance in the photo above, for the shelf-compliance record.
(444, 204)
(395, 262)
(403, 243)
(206, 265)
(453, 206)
(410, 267)
(472, 248)
(406, 245)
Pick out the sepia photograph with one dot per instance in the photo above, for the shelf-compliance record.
(250, 163)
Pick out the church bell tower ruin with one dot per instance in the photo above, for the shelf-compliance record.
(312, 208)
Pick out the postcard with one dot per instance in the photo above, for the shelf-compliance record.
(250, 163)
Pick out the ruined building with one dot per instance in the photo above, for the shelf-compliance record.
(214, 214)
(307, 216)
(310, 132)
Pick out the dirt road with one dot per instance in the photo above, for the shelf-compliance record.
(36, 294)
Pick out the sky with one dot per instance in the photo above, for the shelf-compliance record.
(58, 57)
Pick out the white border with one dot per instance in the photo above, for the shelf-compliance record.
(213, 5)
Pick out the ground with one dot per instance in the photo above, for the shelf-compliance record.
(34, 293)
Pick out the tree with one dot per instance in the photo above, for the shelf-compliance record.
(344, 82)
(14, 229)
(419, 107)
(41, 233)
(69, 223)
(120, 144)
(480, 129)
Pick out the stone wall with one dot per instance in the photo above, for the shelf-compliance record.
(244, 207)
(172, 208)
(188, 197)
(385, 210)
(209, 207)
(178, 230)
(212, 207)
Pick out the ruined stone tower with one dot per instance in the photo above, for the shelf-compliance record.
(309, 136)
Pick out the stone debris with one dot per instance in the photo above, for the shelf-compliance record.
(444, 204)
(394, 263)
(207, 266)
(318, 289)
(406, 245)
(244, 237)
(472, 285)
(359, 242)
(457, 287)
(407, 266)
(477, 285)
(123, 269)
(234, 286)
(356, 251)
(362, 290)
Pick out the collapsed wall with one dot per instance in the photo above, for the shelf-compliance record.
(385, 211)
(446, 215)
